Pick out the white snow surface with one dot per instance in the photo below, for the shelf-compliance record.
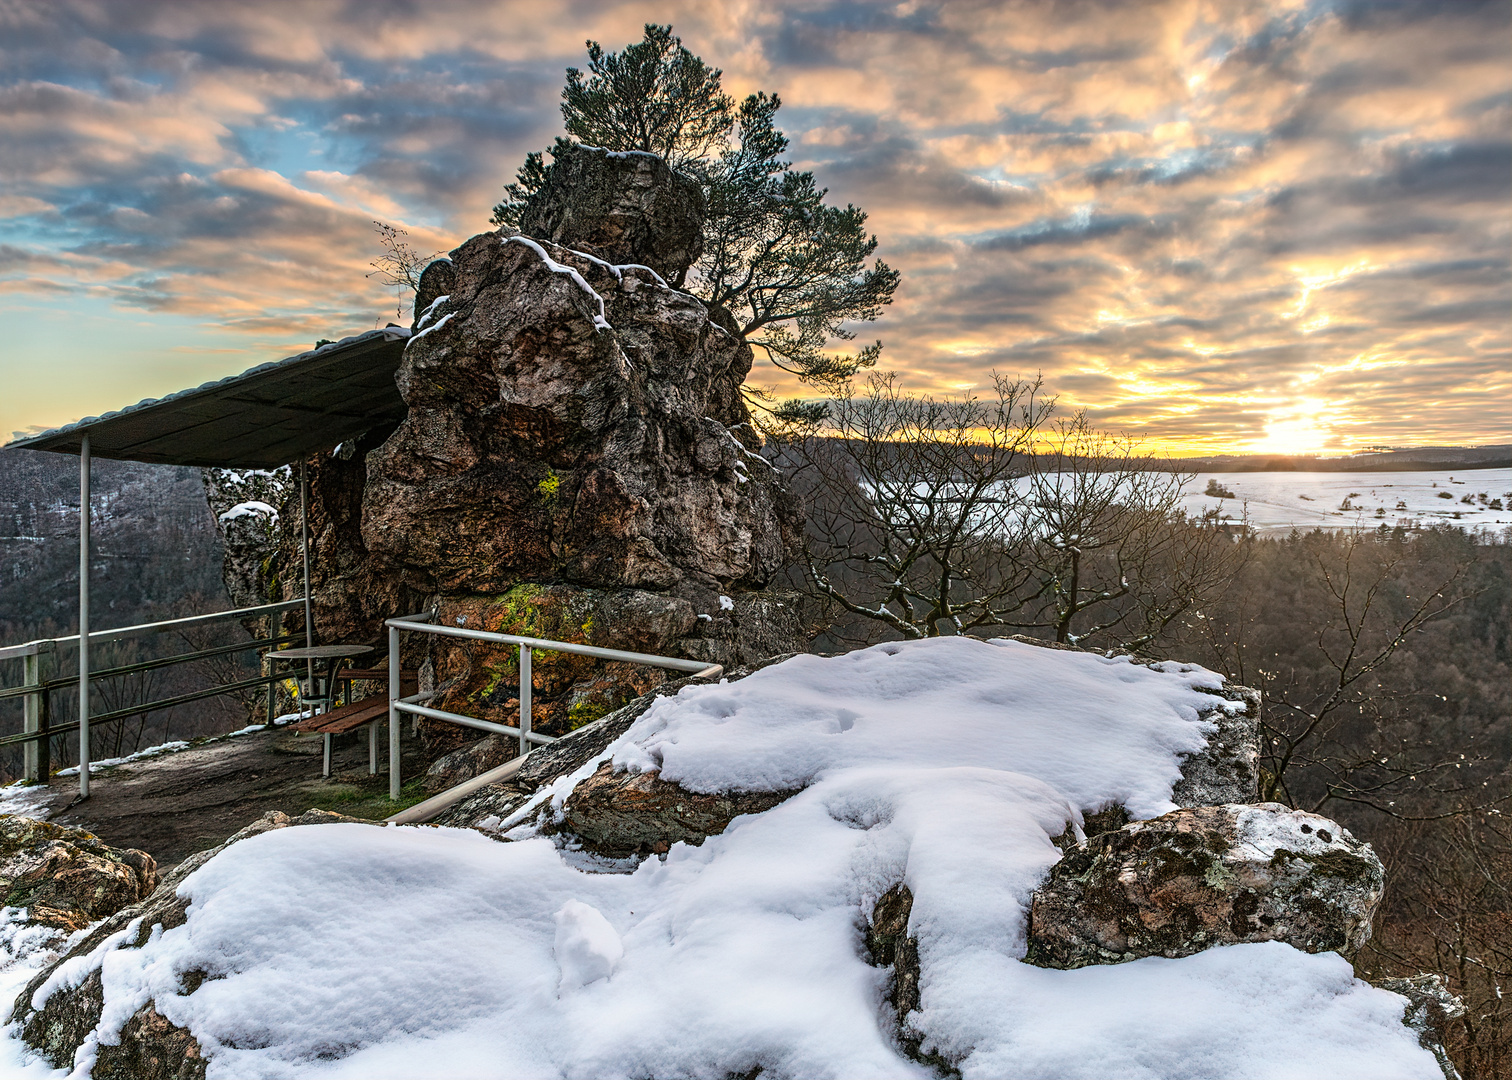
(251, 508)
(356, 951)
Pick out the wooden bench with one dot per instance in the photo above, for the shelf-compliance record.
(409, 681)
(353, 715)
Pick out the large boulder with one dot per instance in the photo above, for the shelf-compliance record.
(67, 878)
(626, 207)
(56, 1023)
(1194, 878)
(577, 422)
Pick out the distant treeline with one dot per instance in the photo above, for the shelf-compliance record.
(1421, 460)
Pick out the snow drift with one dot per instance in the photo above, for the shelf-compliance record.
(353, 951)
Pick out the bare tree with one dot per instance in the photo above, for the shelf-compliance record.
(1448, 910)
(400, 265)
(930, 517)
(1330, 724)
(912, 504)
(1113, 553)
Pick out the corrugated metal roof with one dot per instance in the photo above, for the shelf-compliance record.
(267, 416)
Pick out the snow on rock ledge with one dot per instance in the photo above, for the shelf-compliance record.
(1214, 875)
(941, 767)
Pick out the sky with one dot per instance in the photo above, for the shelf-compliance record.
(1217, 226)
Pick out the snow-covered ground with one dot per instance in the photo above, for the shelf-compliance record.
(359, 951)
(1306, 500)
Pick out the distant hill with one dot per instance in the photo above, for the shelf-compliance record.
(154, 543)
(1427, 457)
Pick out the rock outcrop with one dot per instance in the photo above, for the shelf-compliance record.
(1431, 1008)
(577, 463)
(620, 207)
(621, 814)
(572, 421)
(150, 1047)
(1191, 879)
(67, 878)
(247, 506)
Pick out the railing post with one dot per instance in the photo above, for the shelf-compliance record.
(524, 699)
(44, 744)
(275, 625)
(393, 719)
(34, 711)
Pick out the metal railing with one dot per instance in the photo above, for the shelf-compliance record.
(37, 686)
(420, 623)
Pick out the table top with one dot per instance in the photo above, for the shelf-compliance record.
(321, 652)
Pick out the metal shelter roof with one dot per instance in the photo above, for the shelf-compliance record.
(265, 417)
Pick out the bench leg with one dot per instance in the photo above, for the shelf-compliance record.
(373, 748)
(325, 770)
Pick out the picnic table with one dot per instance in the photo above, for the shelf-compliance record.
(331, 720)
(323, 693)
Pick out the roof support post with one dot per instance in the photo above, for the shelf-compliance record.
(304, 551)
(84, 617)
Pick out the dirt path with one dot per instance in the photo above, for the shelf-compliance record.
(180, 803)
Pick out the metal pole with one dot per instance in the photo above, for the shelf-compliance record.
(393, 728)
(32, 714)
(524, 699)
(275, 627)
(304, 551)
(84, 617)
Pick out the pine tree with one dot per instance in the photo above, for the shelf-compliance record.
(789, 269)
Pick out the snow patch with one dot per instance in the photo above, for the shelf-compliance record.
(251, 508)
(947, 764)
(442, 321)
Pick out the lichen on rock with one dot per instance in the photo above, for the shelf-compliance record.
(1194, 878)
(67, 878)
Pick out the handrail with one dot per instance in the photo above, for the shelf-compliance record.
(9, 652)
(421, 623)
(650, 659)
(35, 689)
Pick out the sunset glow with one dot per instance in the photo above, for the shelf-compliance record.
(1275, 226)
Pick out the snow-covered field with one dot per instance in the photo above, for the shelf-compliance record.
(359, 951)
(1306, 500)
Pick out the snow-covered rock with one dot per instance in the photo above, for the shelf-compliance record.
(930, 779)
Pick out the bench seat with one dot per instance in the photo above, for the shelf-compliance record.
(346, 718)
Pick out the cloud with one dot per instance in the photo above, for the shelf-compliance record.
(1192, 218)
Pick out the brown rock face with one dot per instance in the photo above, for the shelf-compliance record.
(620, 814)
(67, 878)
(622, 208)
(1213, 875)
(548, 440)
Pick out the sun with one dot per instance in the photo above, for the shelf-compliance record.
(1296, 430)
